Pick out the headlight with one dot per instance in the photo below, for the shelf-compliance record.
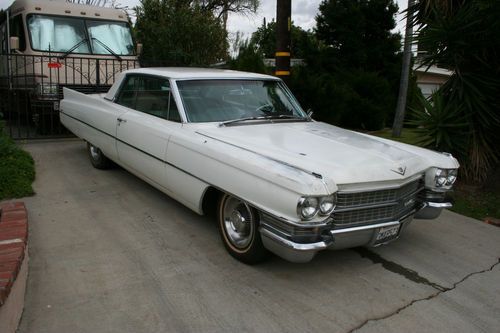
(441, 177)
(309, 207)
(452, 176)
(445, 177)
(327, 204)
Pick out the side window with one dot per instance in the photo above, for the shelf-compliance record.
(127, 94)
(154, 97)
(3, 38)
(150, 95)
(17, 30)
(173, 112)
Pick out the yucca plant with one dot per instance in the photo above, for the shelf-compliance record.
(464, 37)
(440, 126)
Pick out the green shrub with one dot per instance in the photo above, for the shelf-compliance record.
(370, 102)
(249, 59)
(356, 99)
(17, 169)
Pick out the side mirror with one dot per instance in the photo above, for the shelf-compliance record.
(14, 43)
(138, 50)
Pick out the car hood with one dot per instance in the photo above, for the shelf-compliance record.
(340, 156)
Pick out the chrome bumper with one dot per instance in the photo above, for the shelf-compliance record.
(334, 238)
(432, 210)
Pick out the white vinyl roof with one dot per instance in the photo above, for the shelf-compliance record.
(188, 73)
(199, 73)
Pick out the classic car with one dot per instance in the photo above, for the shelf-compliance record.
(239, 145)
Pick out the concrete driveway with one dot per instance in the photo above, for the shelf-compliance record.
(109, 253)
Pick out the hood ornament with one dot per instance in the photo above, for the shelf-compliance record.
(400, 170)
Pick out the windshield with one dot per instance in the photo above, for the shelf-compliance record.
(60, 34)
(56, 34)
(115, 35)
(225, 100)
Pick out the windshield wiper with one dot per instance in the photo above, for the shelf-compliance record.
(77, 45)
(281, 116)
(108, 48)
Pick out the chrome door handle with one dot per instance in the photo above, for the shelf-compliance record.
(120, 120)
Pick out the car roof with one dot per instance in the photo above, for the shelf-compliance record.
(199, 73)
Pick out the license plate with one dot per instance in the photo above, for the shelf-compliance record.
(386, 234)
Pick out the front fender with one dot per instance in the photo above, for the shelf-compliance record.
(265, 183)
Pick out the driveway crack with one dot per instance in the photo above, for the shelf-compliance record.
(416, 278)
(397, 268)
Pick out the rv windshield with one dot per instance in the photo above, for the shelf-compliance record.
(115, 35)
(60, 34)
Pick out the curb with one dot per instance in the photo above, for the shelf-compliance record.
(13, 263)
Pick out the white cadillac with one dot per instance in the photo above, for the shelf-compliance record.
(239, 145)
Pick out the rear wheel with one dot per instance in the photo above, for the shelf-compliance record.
(238, 226)
(97, 158)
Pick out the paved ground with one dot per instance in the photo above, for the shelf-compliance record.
(109, 253)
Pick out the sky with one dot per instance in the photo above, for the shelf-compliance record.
(303, 14)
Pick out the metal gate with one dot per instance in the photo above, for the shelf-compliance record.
(32, 86)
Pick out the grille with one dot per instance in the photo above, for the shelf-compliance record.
(349, 200)
(377, 206)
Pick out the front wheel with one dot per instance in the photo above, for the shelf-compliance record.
(97, 158)
(238, 226)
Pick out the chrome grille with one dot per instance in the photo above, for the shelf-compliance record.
(377, 206)
(347, 200)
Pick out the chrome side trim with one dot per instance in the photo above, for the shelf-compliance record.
(364, 227)
(292, 245)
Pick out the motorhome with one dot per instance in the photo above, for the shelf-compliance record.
(46, 45)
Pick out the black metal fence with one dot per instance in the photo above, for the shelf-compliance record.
(31, 88)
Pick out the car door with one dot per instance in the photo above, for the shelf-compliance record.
(144, 130)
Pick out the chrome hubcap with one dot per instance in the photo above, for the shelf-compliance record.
(94, 152)
(238, 224)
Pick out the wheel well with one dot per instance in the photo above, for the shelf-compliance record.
(210, 200)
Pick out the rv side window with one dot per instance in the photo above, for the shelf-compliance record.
(17, 30)
(3, 39)
(3, 33)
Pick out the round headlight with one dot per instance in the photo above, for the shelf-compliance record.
(441, 177)
(326, 205)
(308, 207)
(452, 177)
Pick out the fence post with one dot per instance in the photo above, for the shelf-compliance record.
(97, 75)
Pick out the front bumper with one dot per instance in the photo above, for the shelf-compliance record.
(297, 248)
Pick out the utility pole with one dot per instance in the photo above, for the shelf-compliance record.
(283, 39)
(405, 73)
